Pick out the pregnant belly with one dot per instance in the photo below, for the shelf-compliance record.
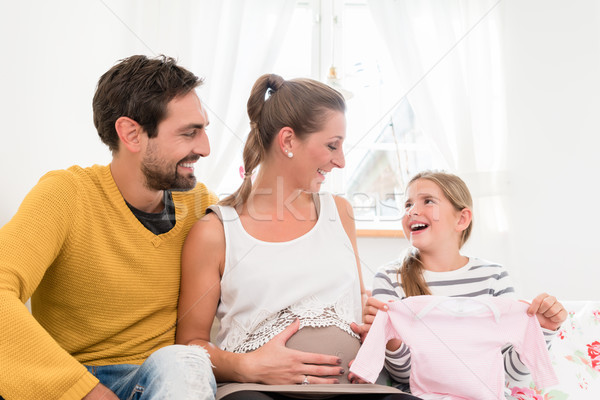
(327, 340)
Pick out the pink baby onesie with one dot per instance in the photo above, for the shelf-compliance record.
(455, 345)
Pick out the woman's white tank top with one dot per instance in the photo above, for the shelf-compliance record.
(267, 285)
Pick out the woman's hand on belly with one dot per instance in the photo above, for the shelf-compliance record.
(275, 364)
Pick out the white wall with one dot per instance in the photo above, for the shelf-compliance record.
(553, 106)
(54, 53)
(375, 252)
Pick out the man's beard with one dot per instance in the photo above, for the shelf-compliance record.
(160, 175)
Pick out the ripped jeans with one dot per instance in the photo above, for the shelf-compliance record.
(173, 372)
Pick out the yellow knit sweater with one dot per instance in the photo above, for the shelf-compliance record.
(104, 289)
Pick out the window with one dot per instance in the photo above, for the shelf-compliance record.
(337, 41)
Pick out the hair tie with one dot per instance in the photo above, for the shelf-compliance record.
(270, 92)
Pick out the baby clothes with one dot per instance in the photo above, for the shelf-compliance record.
(477, 278)
(456, 345)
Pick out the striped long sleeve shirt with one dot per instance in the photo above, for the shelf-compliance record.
(477, 278)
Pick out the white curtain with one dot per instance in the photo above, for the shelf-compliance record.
(247, 36)
(448, 56)
(59, 51)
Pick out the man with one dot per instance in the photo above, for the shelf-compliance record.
(98, 251)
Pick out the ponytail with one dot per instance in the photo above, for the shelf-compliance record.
(410, 275)
(258, 139)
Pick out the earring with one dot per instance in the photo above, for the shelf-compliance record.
(289, 154)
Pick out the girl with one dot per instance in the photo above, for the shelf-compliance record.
(277, 256)
(438, 221)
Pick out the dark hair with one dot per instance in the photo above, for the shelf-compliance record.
(139, 88)
(302, 104)
(457, 192)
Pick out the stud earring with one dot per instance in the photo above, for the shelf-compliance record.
(290, 154)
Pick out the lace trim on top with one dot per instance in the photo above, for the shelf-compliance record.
(339, 315)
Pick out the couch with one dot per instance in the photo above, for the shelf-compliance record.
(575, 355)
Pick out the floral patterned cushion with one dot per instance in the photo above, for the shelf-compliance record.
(575, 355)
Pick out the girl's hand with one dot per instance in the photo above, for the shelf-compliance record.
(369, 311)
(549, 311)
(371, 307)
(360, 330)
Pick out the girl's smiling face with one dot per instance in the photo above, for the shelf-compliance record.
(430, 220)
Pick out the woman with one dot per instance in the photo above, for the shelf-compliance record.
(276, 262)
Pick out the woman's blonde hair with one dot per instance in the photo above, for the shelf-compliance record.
(302, 104)
(457, 192)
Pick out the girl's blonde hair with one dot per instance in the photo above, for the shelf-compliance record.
(457, 192)
(302, 104)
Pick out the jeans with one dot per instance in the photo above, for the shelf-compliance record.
(174, 372)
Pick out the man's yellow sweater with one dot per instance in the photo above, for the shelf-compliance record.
(104, 289)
